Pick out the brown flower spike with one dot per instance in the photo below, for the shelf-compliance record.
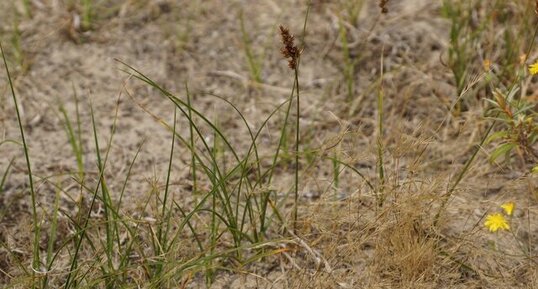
(289, 50)
(383, 6)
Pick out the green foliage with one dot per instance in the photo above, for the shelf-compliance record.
(236, 207)
(353, 9)
(27, 8)
(254, 62)
(87, 15)
(75, 137)
(36, 227)
(518, 126)
(465, 34)
(19, 55)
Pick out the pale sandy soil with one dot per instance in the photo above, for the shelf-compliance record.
(199, 43)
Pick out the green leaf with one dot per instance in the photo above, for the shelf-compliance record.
(501, 150)
(495, 136)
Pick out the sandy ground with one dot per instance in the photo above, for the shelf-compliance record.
(199, 44)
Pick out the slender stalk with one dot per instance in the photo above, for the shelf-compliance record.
(80, 157)
(462, 173)
(6, 173)
(297, 141)
(35, 260)
(165, 219)
(380, 164)
(297, 125)
(191, 136)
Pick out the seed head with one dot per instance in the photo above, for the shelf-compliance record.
(385, 10)
(289, 50)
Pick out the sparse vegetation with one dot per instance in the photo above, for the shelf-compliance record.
(217, 165)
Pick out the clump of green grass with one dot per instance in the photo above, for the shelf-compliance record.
(463, 41)
(241, 209)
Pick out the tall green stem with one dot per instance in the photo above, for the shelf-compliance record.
(35, 261)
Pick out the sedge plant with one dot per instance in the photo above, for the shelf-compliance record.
(36, 264)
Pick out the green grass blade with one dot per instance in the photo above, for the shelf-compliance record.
(191, 136)
(73, 141)
(36, 227)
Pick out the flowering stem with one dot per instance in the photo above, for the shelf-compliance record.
(524, 250)
(450, 191)
(297, 139)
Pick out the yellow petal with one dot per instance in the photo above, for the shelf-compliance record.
(533, 68)
(495, 222)
(508, 208)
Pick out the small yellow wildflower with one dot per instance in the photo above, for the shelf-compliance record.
(533, 68)
(495, 222)
(508, 208)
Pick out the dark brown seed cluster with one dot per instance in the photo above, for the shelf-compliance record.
(289, 50)
(383, 6)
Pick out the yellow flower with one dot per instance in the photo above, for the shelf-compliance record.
(508, 208)
(533, 68)
(495, 222)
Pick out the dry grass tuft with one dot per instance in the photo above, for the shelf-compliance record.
(406, 252)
